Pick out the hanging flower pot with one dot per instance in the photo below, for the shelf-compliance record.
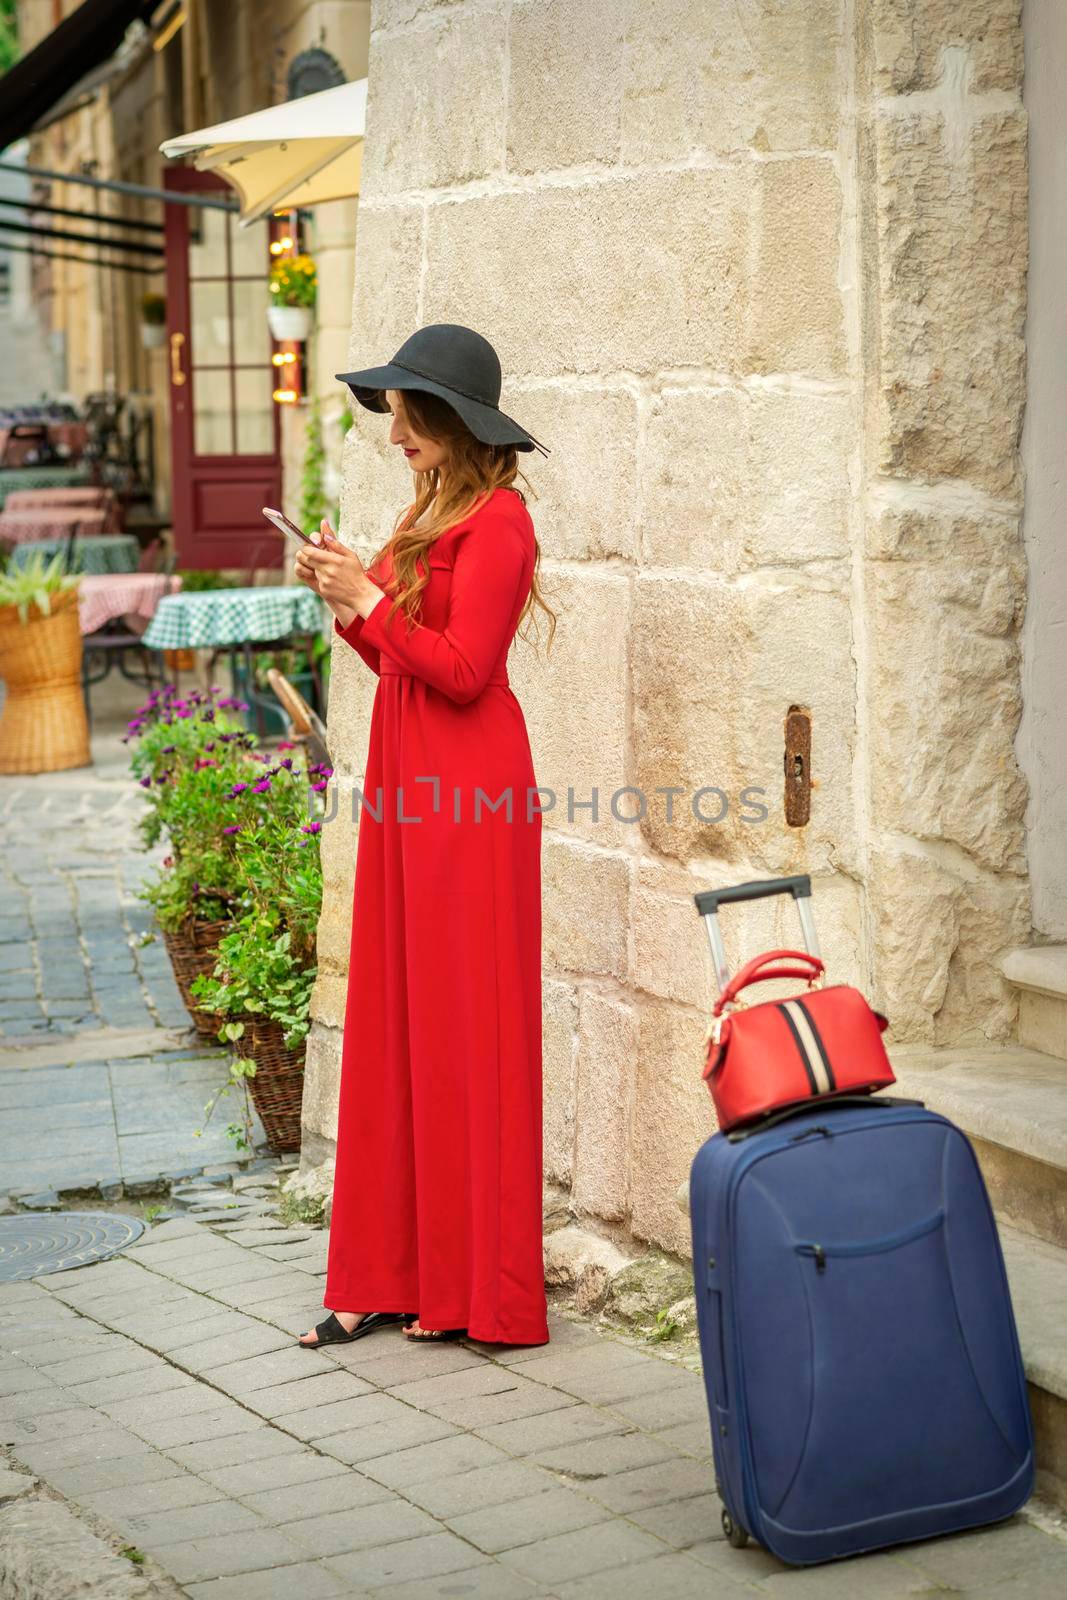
(293, 290)
(289, 322)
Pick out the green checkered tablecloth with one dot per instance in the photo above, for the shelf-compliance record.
(219, 617)
(94, 554)
(40, 478)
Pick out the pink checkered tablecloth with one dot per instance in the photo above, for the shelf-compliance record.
(130, 595)
(49, 522)
(88, 495)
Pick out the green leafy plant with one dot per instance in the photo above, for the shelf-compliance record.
(260, 972)
(241, 1068)
(153, 310)
(9, 35)
(196, 581)
(293, 1208)
(313, 502)
(35, 584)
(243, 826)
(193, 760)
(666, 1326)
(291, 663)
(294, 281)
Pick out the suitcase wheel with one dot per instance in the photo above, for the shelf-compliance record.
(735, 1533)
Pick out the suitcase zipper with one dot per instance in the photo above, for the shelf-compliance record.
(864, 1247)
(815, 1250)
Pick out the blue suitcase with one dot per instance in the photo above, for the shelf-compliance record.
(862, 1366)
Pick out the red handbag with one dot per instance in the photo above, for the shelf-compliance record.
(809, 1046)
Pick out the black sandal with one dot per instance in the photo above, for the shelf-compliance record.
(428, 1335)
(332, 1331)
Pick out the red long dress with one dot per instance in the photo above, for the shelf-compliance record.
(437, 1193)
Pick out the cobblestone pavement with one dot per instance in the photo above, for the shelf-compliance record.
(97, 1057)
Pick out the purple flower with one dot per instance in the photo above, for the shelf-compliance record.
(312, 827)
(287, 763)
(207, 716)
(198, 766)
(233, 828)
(238, 788)
(261, 787)
(210, 746)
(168, 749)
(146, 783)
(320, 786)
(163, 777)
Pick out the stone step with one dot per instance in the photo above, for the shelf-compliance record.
(1039, 972)
(1012, 1104)
(1037, 1273)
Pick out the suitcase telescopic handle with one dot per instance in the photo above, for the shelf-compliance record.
(708, 902)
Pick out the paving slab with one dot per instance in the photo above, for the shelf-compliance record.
(221, 1554)
(307, 1580)
(430, 1557)
(525, 1521)
(365, 1446)
(583, 1551)
(316, 1497)
(479, 1488)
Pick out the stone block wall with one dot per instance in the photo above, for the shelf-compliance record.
(756, 275)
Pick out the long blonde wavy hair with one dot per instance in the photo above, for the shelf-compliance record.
(474, 471)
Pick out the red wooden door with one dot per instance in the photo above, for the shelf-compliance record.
(225, 434)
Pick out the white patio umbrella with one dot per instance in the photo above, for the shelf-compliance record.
(297, 154)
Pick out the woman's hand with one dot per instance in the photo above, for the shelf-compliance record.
(337, 574)
(305, 572)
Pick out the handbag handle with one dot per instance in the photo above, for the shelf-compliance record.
(751, 972)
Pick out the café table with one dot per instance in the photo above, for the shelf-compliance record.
(241, 622)
(49, 522)
(131, 596)
(91, 496)
(94, 553)
(41, 478)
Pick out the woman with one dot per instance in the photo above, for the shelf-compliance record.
(436, 1216)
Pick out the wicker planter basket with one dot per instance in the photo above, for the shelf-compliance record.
(43, 727)
(278, 1085)
(192, 951)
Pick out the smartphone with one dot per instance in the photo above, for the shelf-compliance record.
(283, 525)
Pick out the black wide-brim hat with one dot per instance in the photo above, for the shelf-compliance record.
(459, 366)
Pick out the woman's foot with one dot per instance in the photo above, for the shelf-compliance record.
(415, 1330)
(347, 1319)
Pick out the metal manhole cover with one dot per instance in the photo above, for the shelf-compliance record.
(35, 1242)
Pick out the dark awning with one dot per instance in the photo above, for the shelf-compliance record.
(82, 41)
